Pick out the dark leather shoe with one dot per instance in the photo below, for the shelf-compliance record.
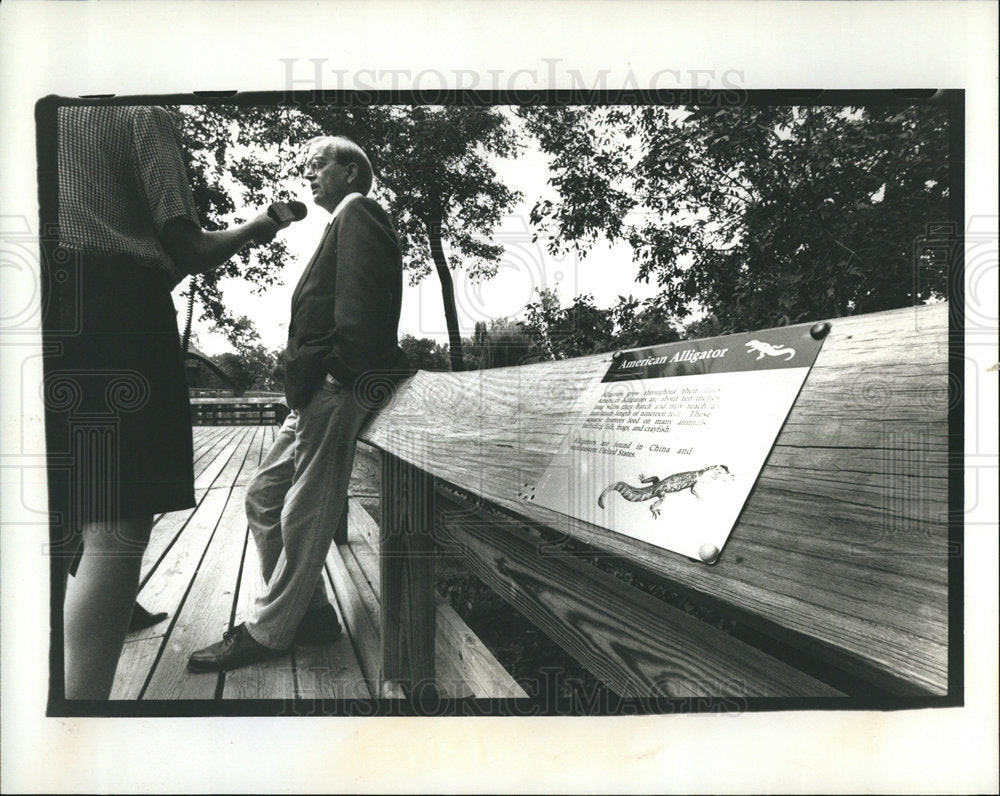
(141, 618)
(237, 648)
(319, 626)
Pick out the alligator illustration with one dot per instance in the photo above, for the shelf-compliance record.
(660, 488)
(770, 350)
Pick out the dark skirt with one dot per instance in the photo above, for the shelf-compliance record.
(118, 419)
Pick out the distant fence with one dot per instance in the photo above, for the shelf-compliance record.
(252, 410)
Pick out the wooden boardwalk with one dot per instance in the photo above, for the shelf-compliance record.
(201, 567)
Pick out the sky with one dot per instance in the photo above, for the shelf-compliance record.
(605, 272)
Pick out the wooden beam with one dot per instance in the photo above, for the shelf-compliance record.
(407, 576)
(637, 645)
(463, 664)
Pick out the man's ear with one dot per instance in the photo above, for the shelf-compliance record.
(352, 172)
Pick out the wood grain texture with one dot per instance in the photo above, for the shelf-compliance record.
(168, 527)
(358, 621)
(221, 459)
(329, 671)
(270, 679)
(213, 443)
(463, 665)
(361, 525)
(206, 613)
(203, 439)
(165, 590)
(473, 664)
(366, 478)
(406, 554)
(842, 547)
(137, 658)
(195, 548)
(166, 531)
(639, 646)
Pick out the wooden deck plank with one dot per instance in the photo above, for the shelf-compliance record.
(207, 477)
(329, 671)
(137, 658)
(637, 645)
(270, 679)
(195, 553)
(214, 443)
(165, 591)
(361, 628)
(472, 660)
(226, 477)
(165, 533)
(199, 447)
(201, 439)
(211, 450)
(362, 525)
(169, 526)
(207, 610)
(450, 683)
(263, 437)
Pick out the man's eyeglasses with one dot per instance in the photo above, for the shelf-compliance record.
(314, 165)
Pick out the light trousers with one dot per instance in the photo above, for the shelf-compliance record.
(294, 504)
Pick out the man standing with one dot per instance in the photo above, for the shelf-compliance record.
(118, 425)
(345, 314)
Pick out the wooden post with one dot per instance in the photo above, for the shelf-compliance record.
(407, 574)
(340, 534)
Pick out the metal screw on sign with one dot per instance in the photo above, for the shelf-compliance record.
(820, 330)
(708, 553)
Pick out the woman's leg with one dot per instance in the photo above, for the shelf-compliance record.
(99, 601)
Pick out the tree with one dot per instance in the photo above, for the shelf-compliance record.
(583, 328)
(503, 344)
(574, 331)
(433, 173)
(423, 353)
(760, 215)
(254, 368)
(642, 323)
(441, 185)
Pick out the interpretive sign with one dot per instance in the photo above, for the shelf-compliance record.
(672, 439)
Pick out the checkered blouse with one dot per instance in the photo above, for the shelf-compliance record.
(121, 178)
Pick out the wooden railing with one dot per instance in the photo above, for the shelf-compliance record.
(238, 411)
(838, 564)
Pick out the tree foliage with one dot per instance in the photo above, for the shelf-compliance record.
(502, 343)
(424, 353)
(760, 215)
(250, 367)
(433, 170)
(583, 328)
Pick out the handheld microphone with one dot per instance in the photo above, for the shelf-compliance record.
(284, 213)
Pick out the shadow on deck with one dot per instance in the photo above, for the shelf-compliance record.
(201, 567)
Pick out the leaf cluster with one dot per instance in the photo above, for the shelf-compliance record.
(760, 215)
